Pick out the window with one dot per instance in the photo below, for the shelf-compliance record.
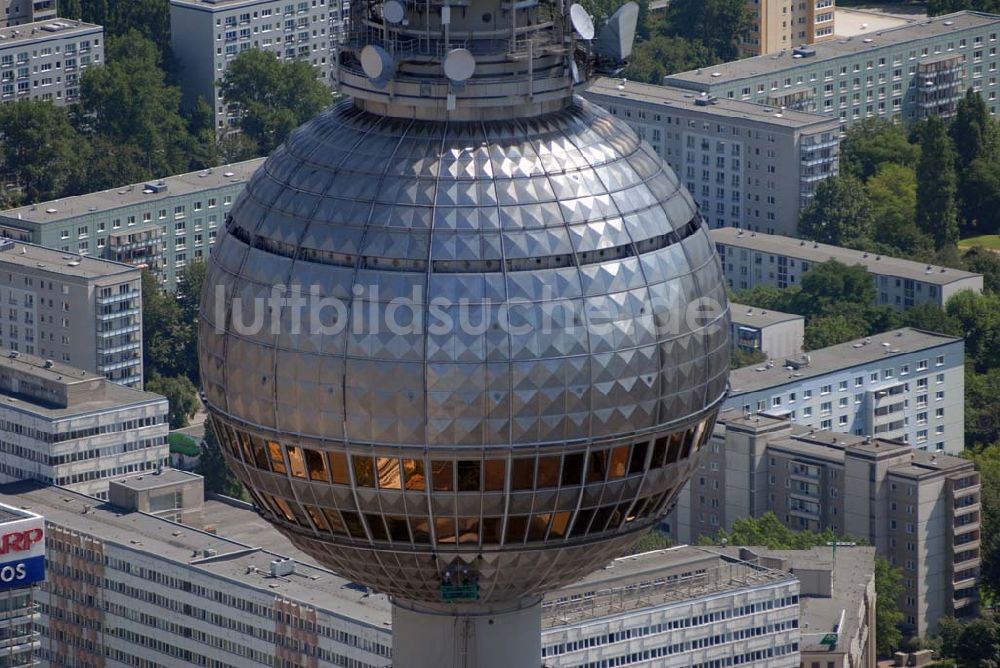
(922, 365)
(939, 361)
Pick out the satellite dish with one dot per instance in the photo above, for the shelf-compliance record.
(393, 11)
(574, 69)
(614, 44)
(459, 65)
(377, 64)
(582, 23)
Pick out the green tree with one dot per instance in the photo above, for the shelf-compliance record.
(70, 9)
(888, 617)
(165, 335)
(654, 540)
(182, 397)
(189, 286)
(980, 190)
(931, 317)
(827, 286)
(971, 130)
(982, 416)
(875, 142)
(128, 102)
(839, 214)
(829, 330)
(273, 96)
(892, 191)
(742, 358)
(661, 55)
(718, 24)
(986, 262)
(212, 465)
(768, 531)
(42, 149)
(768, 297)
(978, 315)
(937, 212)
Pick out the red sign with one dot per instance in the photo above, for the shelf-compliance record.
(20, 541)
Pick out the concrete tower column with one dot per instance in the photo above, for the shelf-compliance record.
(466, 636)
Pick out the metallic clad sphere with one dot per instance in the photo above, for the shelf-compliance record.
(488, 363)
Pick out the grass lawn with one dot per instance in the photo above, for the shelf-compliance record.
(991, 241)
(183, 444)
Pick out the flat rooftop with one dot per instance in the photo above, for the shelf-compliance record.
(928, 464)
(849, 22)
(836, 358)
(12, 513)
(928, 29)
(42, 260)
(138, 193)
(669, 97)
(741, 314)
(811, 251)
(211, 5)
(58, 27)
(145, 481)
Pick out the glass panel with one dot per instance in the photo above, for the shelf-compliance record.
(539, 525)
(333, 519)
(284, 508)
(317, 517)
(443, 476)
(398, 529)
(388, 473)
(598, 466)
(548, 471)
(364, 471)
(248, 451)
(296, 461)
(444, 529)
(572, 471)
(523, 474)
(413, 473)
(316, 464)
(353, 523)
(260, 454)
(338, 468)
(468, 529)
(277, 458)
(637, 463)
(421, 529)
(676, 440)
(516, 526)
(619, 462)
(583, 518)
(601, 517)
(689, 437)
(376, 526)
(495, 469)
(560, 523)
(491, 530)
(659, 452)
(468, 475)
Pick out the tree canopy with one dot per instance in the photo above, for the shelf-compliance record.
(40, 146)
(182, 398)
(937, 185)
(874, 142)
(840, 213)
(212, 465)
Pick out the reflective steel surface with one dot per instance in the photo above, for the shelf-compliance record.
(510, 373)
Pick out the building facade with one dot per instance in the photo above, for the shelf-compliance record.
(44, 60)
(920, 510)
(76, 309)
(905, 384)
(752, 259)
(905, 73)
(22, 567)
(746, 165)
(782, 24)
(776, 334)
(17, 12)
(161, 225)
(206, 35)
(65, 426)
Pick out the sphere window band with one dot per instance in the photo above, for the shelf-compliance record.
(569, 473)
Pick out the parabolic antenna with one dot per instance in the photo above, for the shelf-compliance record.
(581, 21)
(377, 64)
(459, 65)
(618, 34)
(393, 11)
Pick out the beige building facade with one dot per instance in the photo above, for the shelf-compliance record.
(782, 24)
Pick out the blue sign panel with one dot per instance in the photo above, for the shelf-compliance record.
(22, 573)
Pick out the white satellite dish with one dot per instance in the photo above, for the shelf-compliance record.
(581, 21)
(459, 65)
(377, 64)
(393, 11)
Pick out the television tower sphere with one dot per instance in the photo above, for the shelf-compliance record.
(461, 338)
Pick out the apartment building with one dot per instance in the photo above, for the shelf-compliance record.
(16, 12)
(903, 73)
(836, 600)
(919, 509)
(161, 593)
(72, 308)
(65, 426)
(776, 334)
(782, 24)
(160, 225)
(44, 60)
(21, 569)
(746, 165)
(752, 259)
(905, 384)
(206, 35)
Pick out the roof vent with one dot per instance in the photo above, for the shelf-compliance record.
(706, 100)
(160, 187)
(867, 40)
(228, 174)
(48, 364)
(949, 23)
(282, 567)
(51, 210)
(804, 51)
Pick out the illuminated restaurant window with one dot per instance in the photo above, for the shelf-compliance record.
(338, 468)
(316, 463)
(413, 474)
(277, 458)
(364, 471)
(388, 473)
(296, 461)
